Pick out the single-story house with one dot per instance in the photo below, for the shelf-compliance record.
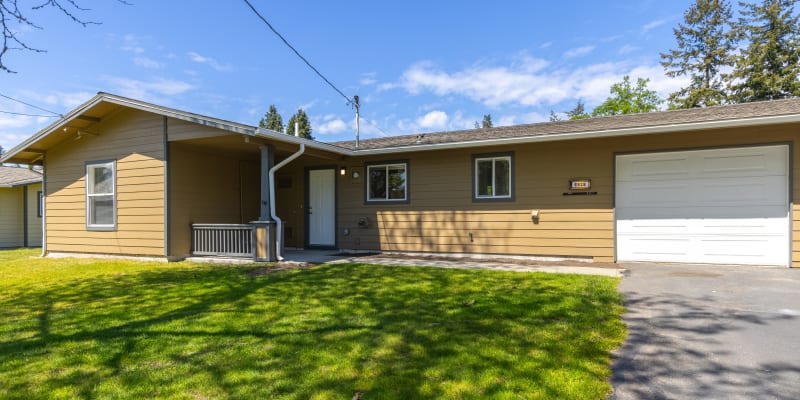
(20, 207)
(706, 185)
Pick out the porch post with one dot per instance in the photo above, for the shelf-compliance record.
(267, 161)
(264, 228)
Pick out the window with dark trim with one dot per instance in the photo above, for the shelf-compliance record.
(39, 203)
(387, 182)
(493, 177)
(101, 199)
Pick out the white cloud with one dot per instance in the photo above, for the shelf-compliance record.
(433, 120)
(625, 49)
(531, 83)
(368, 78)
(57, 101)
(210, 62)
(545, 45)
(148, 90)
(333, 126)
(146, 62)
(653, 24)
(130, 43)
(578, 51)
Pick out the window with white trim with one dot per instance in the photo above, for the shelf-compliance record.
(101, 202)
(387, 182)
(492, 177)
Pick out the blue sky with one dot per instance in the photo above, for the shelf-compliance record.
(417, 66)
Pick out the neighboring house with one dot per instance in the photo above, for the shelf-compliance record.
(20, 207)
(708, 185)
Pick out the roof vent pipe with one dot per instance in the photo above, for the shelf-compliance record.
(273, 214)
(297, 129)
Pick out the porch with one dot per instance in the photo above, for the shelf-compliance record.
(224, 202)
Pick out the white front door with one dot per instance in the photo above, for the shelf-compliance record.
(723, 206)
(322, 207)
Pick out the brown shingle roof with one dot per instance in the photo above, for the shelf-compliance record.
(15, 176)
(662, 118)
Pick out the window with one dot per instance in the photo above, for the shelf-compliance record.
(493, 177)
(100, 195)
(39, 203)
(387, 182)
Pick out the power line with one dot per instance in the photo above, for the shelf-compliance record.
(374, 125)
(349, 100)
(28, 115)
(30, 105)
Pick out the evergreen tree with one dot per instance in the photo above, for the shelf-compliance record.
(272, 120)
(625, 99)
(579, 112)
(487, 121)
(769, 66)
(554, 117)
(305, 126)
(705, 47)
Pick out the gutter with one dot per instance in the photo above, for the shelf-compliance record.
(272, 212)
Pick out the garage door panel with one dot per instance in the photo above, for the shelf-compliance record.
(731, 206)
(745, 191)
(756, 161)
(657, 167)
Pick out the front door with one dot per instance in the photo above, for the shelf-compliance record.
(321, 208)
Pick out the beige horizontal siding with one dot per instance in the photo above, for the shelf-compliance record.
(441, 214)
(135, 140)
(11, 217)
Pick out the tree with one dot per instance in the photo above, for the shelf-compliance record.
(487, 121)
(769, 66)
(554, 117)
(305, 126)
(579, 112)
(272, 120)
(15, 22)
(705, 47)
(625, 99)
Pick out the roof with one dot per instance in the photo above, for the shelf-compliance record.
(618, 123)
(749, 114)
(17, 176)
(104, 104)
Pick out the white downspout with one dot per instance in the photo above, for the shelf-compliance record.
(273, 214)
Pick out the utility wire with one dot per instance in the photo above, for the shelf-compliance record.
(28, 115)
(32, 106)
(349, 100)
(374, 125)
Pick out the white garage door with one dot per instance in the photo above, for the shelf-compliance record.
(724, 206)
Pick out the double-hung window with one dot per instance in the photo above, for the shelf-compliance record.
(493, 176)
(387, 182)
(101, 204)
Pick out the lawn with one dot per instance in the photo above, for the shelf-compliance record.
(78, 328)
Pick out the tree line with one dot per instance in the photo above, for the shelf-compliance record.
(728, 60)
(273, 120)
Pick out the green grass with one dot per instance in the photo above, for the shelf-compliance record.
(78, 328)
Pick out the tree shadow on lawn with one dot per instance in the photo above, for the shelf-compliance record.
(324, 332)
(678, 347)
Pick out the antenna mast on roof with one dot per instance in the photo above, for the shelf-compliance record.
(355, 102)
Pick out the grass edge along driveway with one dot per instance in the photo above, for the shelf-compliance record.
(88, 328)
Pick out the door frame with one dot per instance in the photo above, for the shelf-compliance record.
(789, 176)
(307, 201)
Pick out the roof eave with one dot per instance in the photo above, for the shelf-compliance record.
(740, 122)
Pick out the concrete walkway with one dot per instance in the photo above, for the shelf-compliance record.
(331, 257)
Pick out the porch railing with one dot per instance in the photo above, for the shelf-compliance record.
(229, 240)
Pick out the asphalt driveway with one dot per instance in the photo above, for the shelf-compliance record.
(709, 332)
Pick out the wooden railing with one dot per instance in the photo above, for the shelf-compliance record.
(228, 240)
